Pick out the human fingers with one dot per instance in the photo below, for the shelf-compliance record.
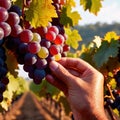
(74, 72)
(62, 73)
(75, 63)
(57, 83)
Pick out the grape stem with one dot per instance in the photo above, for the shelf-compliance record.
(24, 1)
(23, 12)
(110, 91)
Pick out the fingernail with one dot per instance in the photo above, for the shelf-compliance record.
(53, 65)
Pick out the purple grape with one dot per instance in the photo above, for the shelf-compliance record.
(1, 97)
(16, 9)
(45, 43)
(30, 59)
(1, 62)
(39, 75)
(23, 48)
(41, 63)
(2, 88)
(3, 72)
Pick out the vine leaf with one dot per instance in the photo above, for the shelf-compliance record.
(40, 13)
(68, 17)
(73, 38)
(71, 3)
(111, 35)
(106, 51)
(92, 5)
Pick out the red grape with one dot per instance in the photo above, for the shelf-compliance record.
(59, 39)
(3, 14)
(26, 36)
(16, 30)
(13, 19)
(54, 49)
(34, 47)
(5, 3)
(50, 35)
(6, 27)
(54, 29)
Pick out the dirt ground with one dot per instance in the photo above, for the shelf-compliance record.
(29, 108)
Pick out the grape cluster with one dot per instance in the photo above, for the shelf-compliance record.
(5, 31)
(114, 103)
(34, 48)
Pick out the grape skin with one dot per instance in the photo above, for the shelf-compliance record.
(5, 3)
(26, 36)
(34, 47)
(3, 14)
(6, 28)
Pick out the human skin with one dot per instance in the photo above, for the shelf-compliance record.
(82, 85)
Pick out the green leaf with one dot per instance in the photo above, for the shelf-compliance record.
(68, 17)
(73, 38)
(92, 5)
(40, 13)
(105, 51)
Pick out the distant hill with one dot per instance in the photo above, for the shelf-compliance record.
(89, 31)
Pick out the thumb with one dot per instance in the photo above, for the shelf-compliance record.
(61, 73)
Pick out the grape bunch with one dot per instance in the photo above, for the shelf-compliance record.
(5, 30)
(114, 103)
(113, 96)
(34, 48)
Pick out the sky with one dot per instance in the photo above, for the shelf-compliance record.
(109, 13)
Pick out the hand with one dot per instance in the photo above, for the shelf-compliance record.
(82, 85)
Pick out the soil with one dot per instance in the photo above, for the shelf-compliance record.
(29, 108)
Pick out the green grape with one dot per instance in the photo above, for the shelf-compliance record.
(43, 53)
(57, 57)
(36, 37)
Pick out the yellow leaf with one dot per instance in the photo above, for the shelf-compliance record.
(40, 13)
(73, 38)
(111, 36)
(71, 3)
